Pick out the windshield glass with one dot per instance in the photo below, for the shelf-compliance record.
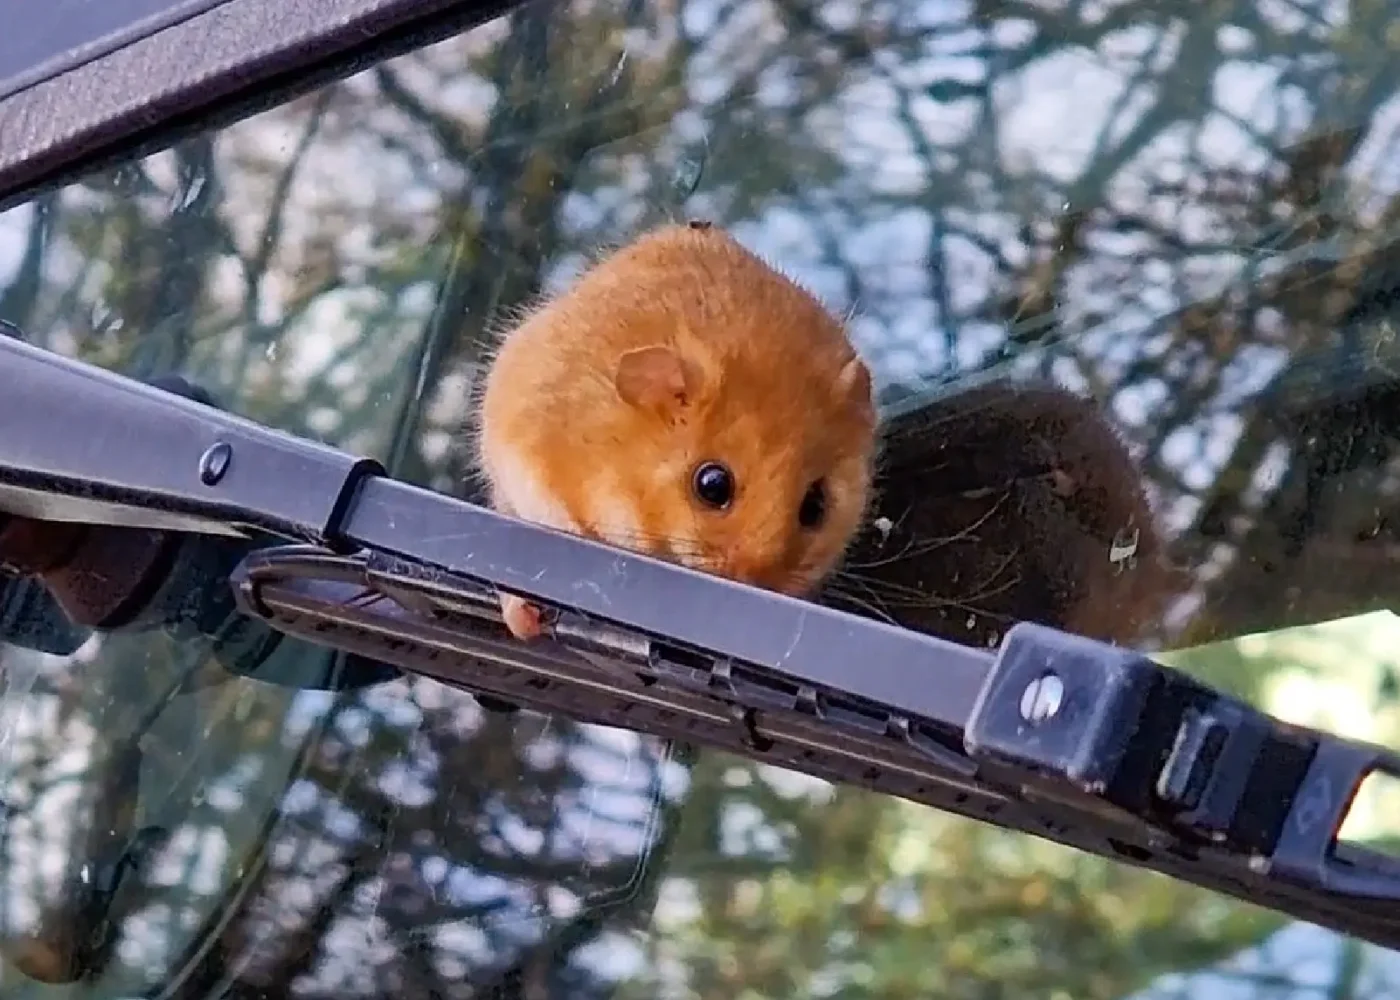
(1176, 224)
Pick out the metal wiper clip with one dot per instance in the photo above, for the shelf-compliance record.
(1090, 745)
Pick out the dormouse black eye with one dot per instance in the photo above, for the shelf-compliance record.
(713, 485)
(812, 510)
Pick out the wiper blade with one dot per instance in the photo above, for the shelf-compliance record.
(439, 623)
(1070, 739)
(1077, 741)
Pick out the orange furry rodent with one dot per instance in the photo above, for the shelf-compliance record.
(685, 400)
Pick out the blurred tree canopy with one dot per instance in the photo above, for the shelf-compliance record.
(1184, 212)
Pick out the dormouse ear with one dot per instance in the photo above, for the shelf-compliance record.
(654, 378)
(855, 385)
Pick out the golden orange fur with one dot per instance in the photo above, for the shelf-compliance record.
(679, 349)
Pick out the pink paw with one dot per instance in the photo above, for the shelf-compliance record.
(521, 617)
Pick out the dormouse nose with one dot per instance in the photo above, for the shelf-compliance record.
(754, 576)
(758, 566)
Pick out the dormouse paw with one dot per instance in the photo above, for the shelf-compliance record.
(522, 618)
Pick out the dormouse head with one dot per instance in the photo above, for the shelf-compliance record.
(753, 434)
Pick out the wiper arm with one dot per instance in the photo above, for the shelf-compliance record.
(168, 462)
(1070, 739)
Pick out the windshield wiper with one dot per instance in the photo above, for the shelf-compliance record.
(207, 523)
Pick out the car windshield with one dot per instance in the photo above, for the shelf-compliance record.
(1176, 223)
